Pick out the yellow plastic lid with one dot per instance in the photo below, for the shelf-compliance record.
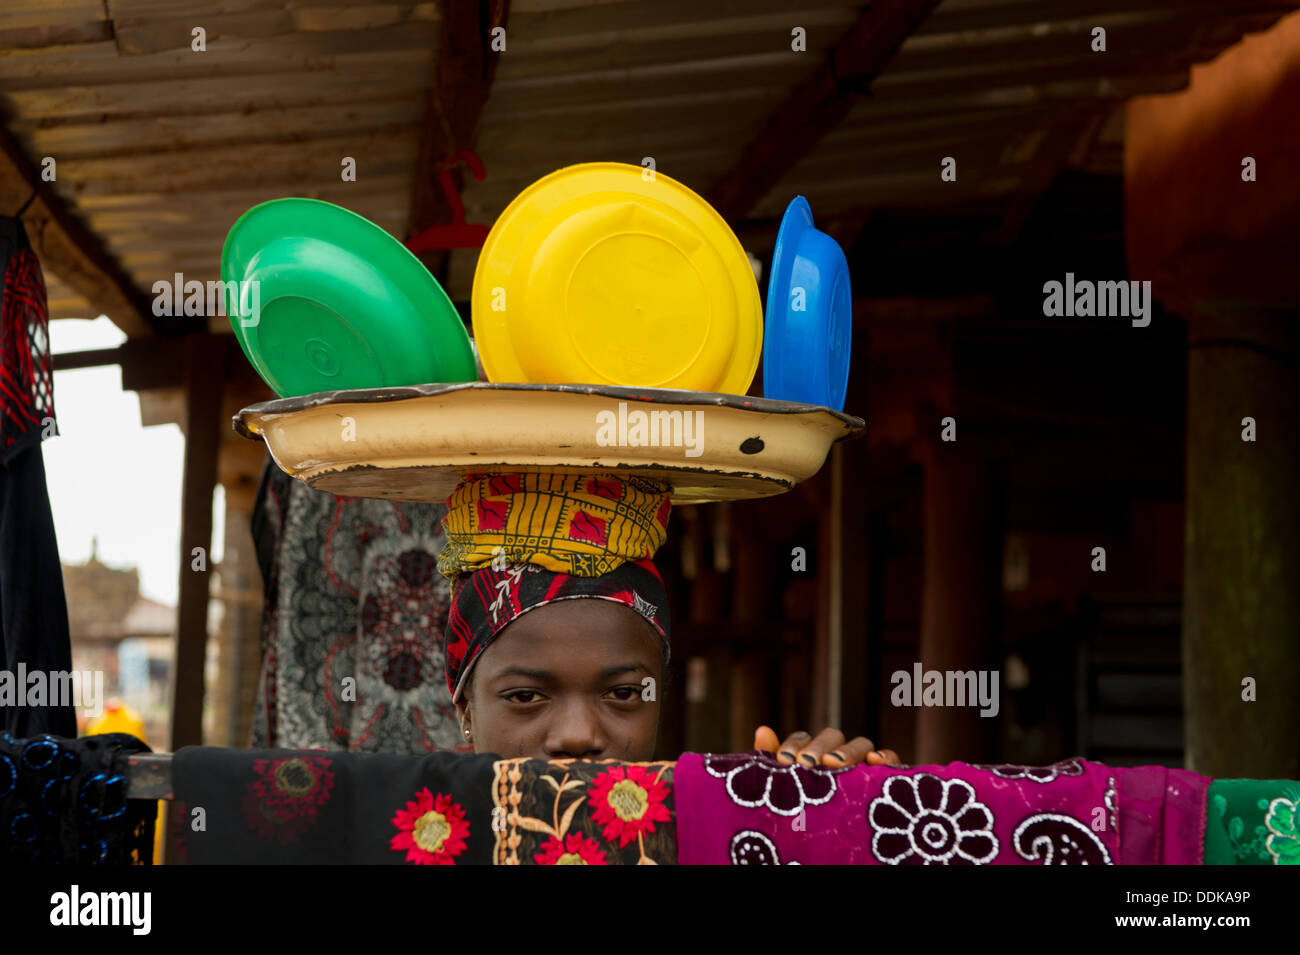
(607, 273)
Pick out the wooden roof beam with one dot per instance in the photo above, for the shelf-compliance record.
(462, 80)
(66, 247)
(819, 104)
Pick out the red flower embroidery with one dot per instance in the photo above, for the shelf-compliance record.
(433, 829)
(586, 528)
(492, 515)
(282, 802)
(576, 849)
(628, 801)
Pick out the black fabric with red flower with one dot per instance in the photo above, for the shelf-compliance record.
(308, 807)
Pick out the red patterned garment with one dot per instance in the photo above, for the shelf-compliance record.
(26, 382)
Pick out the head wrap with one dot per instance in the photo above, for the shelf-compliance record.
(584, 525)
(484, 602)
(516, 542)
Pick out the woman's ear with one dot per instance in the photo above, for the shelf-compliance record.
(465, 719)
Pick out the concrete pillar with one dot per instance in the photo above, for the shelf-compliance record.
(1241, 595)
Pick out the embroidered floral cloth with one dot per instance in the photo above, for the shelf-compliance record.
(1253, 822)
(314, 806)
(749, 809)
(579, 813)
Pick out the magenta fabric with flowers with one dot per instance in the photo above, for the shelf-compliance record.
(749, 809)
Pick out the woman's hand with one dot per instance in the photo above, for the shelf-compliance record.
(827, 748)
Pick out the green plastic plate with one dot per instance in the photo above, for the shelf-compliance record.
(326, 300)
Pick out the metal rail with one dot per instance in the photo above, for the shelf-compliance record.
(150, 776)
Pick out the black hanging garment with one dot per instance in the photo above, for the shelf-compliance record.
(33, 609)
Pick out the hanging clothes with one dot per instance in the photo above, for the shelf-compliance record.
(33, 608)
(65, 801)
(749, 809)
(1253, 822)
(353, 623)
(718, 809)
(438, 809)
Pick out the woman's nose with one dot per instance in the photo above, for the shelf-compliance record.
(575, 733)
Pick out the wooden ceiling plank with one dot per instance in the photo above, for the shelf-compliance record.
(818, 104)
(198, 97)
(379, 146)
(343, 50)
(124, 137)
(65, 246)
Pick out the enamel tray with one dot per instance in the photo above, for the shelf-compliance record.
(414, 443)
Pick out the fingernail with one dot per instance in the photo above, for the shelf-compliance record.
(788, 755)
(807, 758)
(840, 757)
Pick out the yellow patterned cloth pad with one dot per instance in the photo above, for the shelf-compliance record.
(580, 524)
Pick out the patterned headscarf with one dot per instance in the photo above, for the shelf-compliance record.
(486, 601)
(516, 542)
(580, 524)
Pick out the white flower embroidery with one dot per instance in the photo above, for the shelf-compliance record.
(925, 820)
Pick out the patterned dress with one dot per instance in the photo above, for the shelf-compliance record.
(352, 627)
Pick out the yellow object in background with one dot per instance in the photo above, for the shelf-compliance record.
(612, 274)
(120, 718)
(117, 718)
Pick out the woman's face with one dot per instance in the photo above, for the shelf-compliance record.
(573, 679)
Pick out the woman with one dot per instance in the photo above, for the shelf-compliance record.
(558, 633)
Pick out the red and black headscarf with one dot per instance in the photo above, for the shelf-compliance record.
(516, 542)
(486, 601)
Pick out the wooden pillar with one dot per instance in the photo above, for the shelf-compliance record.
(829, 649)
(856, 703)
(240, 593)
(708, 667)
(961, 595)
(1241, 593)
(204, 380)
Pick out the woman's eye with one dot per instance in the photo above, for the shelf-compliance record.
(523, 696)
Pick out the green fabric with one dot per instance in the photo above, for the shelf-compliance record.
(1253, 822)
